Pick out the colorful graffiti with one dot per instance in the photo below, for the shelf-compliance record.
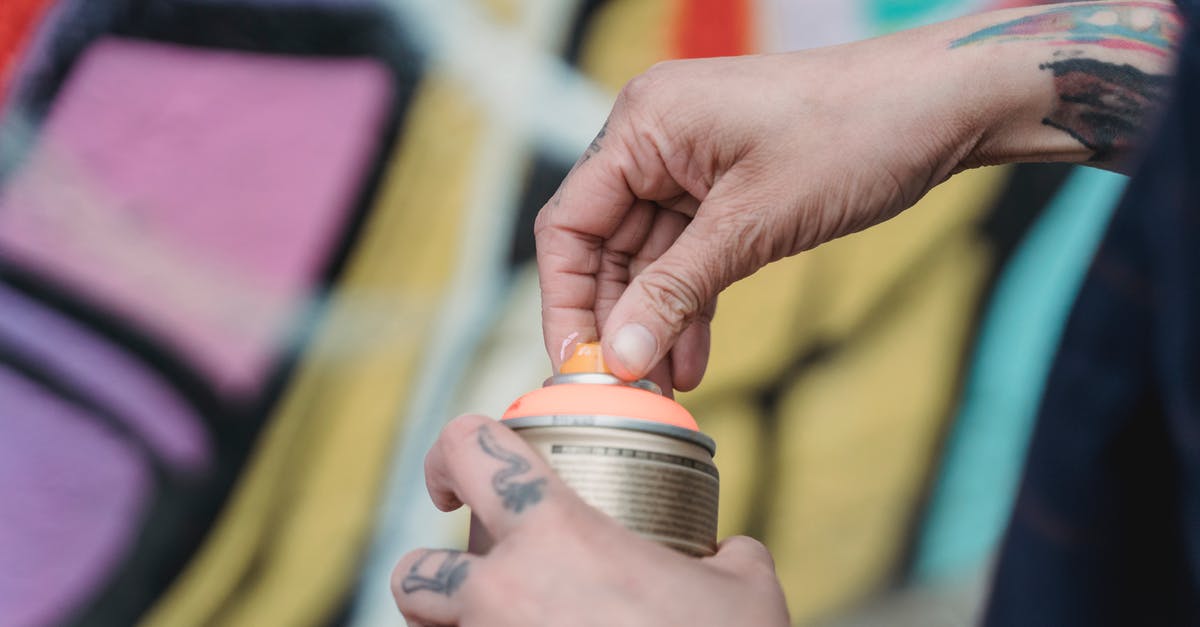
(254, 253)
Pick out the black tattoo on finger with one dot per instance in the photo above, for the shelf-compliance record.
(514, 494)
(445, 580)
(594, 147)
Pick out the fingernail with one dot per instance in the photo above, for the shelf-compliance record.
(635, 347)
(567, 344)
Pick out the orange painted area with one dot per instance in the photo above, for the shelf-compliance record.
(582, 399)
(586, 358)
(712, 28)
(17, 20)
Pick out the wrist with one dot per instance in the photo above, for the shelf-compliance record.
(1070, 83)
(1014, 98)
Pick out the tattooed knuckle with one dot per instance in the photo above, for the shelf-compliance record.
(432, 571)
(401, 571)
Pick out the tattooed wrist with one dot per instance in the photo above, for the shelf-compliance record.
(1104, 106)
(1148, 27)
(1107, 65)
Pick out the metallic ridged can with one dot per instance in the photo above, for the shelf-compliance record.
(628, 451)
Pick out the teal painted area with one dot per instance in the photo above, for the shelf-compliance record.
(982, 463)
(905, 11)
(1071, 24)
(887, 16)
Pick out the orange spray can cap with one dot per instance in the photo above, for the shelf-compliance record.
(574, 391)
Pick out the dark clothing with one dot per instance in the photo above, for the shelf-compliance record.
(1106, 528)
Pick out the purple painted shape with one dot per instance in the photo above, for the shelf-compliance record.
(110, 377)
(71, 493)
(198, 193)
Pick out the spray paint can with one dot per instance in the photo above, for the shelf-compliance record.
(629, 451)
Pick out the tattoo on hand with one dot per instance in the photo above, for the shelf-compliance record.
(1138, 26)
(516, 495)
(594, 147)
(445, 580)
(1102, 105)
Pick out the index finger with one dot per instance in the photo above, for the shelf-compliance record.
(481, 463)
(570, 233)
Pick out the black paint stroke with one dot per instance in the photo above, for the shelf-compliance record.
(1104, 106)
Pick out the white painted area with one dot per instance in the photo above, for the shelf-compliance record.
(786, 25)
(1103, 18)
(512, 361)
(1143, 19)
(513, 73)
(528, 96)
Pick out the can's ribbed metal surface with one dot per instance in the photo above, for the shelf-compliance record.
(656, 480)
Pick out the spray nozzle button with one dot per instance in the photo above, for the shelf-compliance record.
(586, 358)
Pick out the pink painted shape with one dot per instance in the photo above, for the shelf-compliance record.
(199, 193)
(1116, 44)
(71, 495)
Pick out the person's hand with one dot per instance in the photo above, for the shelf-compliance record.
(558, 561)
(709, 169)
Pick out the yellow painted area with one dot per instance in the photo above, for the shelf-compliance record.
(733, 423)
(858, 433)
(858, 269)
(286, 549)
(502, 11)
(764, 322)
(624, 39)
(761, 324)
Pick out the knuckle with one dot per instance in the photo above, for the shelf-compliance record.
(562, 520)
(401, 571)
(460, 432)
(746, 237)
(753, 241)
(709, 312)
(541, 222)
(492, 589)
(671, 297)
(663, 66)
(645, 87)
(544, 221)
(611, 259)
(756, 560)
(763, 559)
(634, 94)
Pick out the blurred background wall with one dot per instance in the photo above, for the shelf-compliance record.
(254, 253)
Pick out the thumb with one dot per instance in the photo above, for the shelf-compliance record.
(671, 292)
